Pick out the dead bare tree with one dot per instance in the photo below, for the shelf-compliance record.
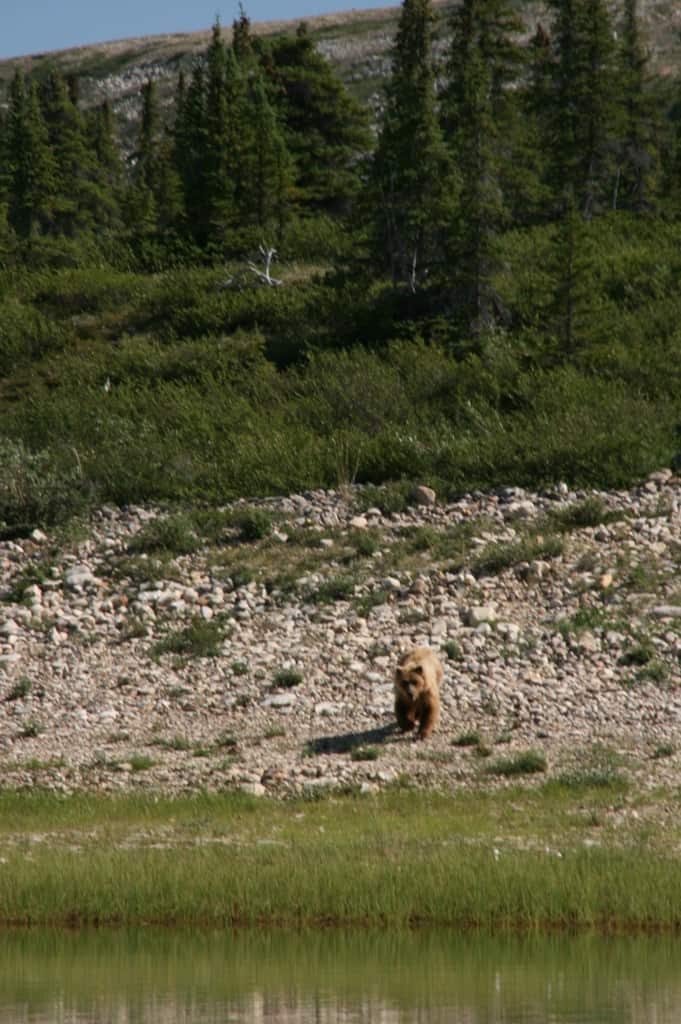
(242, 278)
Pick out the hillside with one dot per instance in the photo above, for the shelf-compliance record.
(253, 647)
(356, 42)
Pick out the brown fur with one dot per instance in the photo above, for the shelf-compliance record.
(417, 691)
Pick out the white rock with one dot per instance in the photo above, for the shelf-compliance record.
(478, 614)
(667, 611)
(327, 709)
(80, 576)
(279, 700)
(253, 788)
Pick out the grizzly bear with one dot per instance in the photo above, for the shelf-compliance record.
(417, 690)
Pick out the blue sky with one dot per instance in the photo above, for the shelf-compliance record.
(34, 26)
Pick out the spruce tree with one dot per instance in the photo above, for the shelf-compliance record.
(412, 186)
(483, 60)
(228, 136)
(270, 169)
(638, 156)
(102, 137)
(326, 130)
(77, 200)
(32, 167)
(584, 114)
(242, 40)
(189, 147)
(575, 319)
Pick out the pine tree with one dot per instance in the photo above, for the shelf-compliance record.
(638, 156)
(78, 200)
(325, 128)
(271, 171)
(227, 139)
(573, 314)
(102, 138)
(189, 146)
(584, 102)
(141, 210)
(412, 186)
(483, 59)
(242, 40)
(32, 168)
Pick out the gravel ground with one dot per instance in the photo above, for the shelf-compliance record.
(262, 658)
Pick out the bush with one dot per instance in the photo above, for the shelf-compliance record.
(36, 489)
(25, 335)
(527, 763)
(200, 639)
(174, 535)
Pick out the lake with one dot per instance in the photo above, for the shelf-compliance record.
(173, 976)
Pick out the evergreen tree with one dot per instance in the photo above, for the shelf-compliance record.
(77, 199)
(102, 138)
(483, 59)
(575, 322)
(412, 186)
(141, 209)
(529, 170)
(220, 158)
(584, 102)
(638, 157)
(189, 146)
(32, 166)
(242, 40)
(326, 129)
(270, 172)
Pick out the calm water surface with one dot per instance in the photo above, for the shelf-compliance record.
(196, 978)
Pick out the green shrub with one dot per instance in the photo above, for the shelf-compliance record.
(528, 762)
(639, 654)
(338, 588)
(591, 511)
(200, 639)
(286, 678)
(36, 488)
(20, 689)
(467, 739)
(25, 335)
(253, 523)
(496, 557)
(173, 535)
(453, 651)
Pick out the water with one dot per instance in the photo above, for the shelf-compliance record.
(168, 977)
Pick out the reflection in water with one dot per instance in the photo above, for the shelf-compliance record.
(177, 977)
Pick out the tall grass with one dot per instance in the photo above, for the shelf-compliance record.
(344, 884)
(403, 859)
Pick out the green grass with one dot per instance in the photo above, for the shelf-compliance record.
(287, 678)
(494, 558)
(20, 689)
(199, 639)
(399, 858)
(529, 762)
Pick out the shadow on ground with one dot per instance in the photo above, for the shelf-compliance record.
(343, 743)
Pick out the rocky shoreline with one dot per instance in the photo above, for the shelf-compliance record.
(261, 659)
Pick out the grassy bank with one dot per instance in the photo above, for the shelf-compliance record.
(570, 854)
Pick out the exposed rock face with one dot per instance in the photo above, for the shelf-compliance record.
(122, 670)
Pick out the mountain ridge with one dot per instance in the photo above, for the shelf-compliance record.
(356, 42)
